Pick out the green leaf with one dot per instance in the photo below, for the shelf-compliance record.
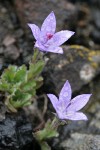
(32, 92)
(9, 105)
(44, 146)
(9, 73)
(47, 132)
(21, 74)
(18, 104)
(29, 85)
(35, 69)
(4, 87)
(20, 95)
(20, 99)
(39, 82)
(35, 55)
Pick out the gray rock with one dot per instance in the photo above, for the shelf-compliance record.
(79, 141)
(16, 133)
(6, 25)
(12, 40)
(36, 11)
(8, 40)
(11, 52)
(96, 16)
(74, 65)
(95, 34)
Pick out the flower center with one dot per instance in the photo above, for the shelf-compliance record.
(49, 36)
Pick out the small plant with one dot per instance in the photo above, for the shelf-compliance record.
(20, 84)
(66, 109)
(49, 131)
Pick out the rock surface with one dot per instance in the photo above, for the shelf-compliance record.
(82, 142)
(76, 65)
(36, 11)
(16, 133)
(13, 45)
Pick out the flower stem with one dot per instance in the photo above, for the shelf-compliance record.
(55, 123)
(36, 56)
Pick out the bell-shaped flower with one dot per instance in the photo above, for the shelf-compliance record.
(46, 38)
(67, 108)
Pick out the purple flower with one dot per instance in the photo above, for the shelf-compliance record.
(67, 108)
(46, 38)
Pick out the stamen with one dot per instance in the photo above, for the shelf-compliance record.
(49, 36)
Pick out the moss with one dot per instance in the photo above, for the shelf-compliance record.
(86, 53)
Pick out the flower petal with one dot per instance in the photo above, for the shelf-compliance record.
(60, 37)
(49, 24)
(43, 48)
(79, 102)
(76, 116)
(39, 46)
(54, 100)
(65, 94)
(35, 30)
(55, 50)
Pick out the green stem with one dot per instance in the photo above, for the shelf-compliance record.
(55, 123)
(36, 56)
